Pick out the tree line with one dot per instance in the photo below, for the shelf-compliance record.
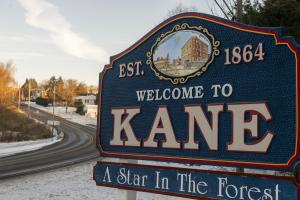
(264, 13)
(63, 91)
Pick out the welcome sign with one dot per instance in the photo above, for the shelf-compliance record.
(201, 89)
(193, 183)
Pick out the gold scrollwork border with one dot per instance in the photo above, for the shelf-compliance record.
(176, 80)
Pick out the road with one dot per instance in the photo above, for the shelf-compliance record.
(79, 144)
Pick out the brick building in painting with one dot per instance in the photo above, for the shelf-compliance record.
(193, 52)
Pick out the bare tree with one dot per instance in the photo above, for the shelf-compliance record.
(33, 85)
(82, 89)
(70, 86)
(180, 8)
(7, 83)
(224, 8)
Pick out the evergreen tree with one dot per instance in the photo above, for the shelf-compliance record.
(25, 87)
(274, 13)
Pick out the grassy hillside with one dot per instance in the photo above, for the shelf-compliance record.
(15, 126)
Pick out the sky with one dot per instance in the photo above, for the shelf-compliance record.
(74, 38)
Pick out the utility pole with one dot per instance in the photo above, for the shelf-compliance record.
(239, 15)
(19, 99)
(239, 10)
(29, 85)
(53, 105)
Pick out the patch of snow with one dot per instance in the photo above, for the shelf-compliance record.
(11, 148)
(73, 183)
(210, 167)
(68, 183)
(70, 115)
(189, 166)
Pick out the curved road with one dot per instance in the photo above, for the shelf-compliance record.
(79, 144)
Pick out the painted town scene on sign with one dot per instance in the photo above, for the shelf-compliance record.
(144, 100)
(182, 53)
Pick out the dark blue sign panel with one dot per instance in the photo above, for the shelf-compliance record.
(201, 89)
(199, 184)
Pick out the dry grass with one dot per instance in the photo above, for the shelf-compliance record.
(15, 126)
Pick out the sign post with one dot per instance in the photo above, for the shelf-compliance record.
(199, 89)
(130, 194)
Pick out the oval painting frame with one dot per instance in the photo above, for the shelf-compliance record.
(183, 52)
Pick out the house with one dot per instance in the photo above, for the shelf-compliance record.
(86, 100)
(91, 110)
(39, 92)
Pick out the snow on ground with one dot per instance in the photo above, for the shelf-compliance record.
(212, 168)
(71, 115)
(73, 183)
(69, 183)
(11, 148)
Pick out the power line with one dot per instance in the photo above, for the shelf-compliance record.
(220, 7)
(228, 7)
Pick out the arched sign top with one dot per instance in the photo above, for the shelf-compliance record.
(274, 31)
(201, 89)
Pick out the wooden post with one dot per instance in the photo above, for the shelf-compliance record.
(239, 170)
(297, 173)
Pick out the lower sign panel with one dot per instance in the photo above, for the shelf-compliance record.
(199, 184)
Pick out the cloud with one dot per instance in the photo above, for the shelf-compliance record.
(7, 55)
(44, 15)
(33, 39)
